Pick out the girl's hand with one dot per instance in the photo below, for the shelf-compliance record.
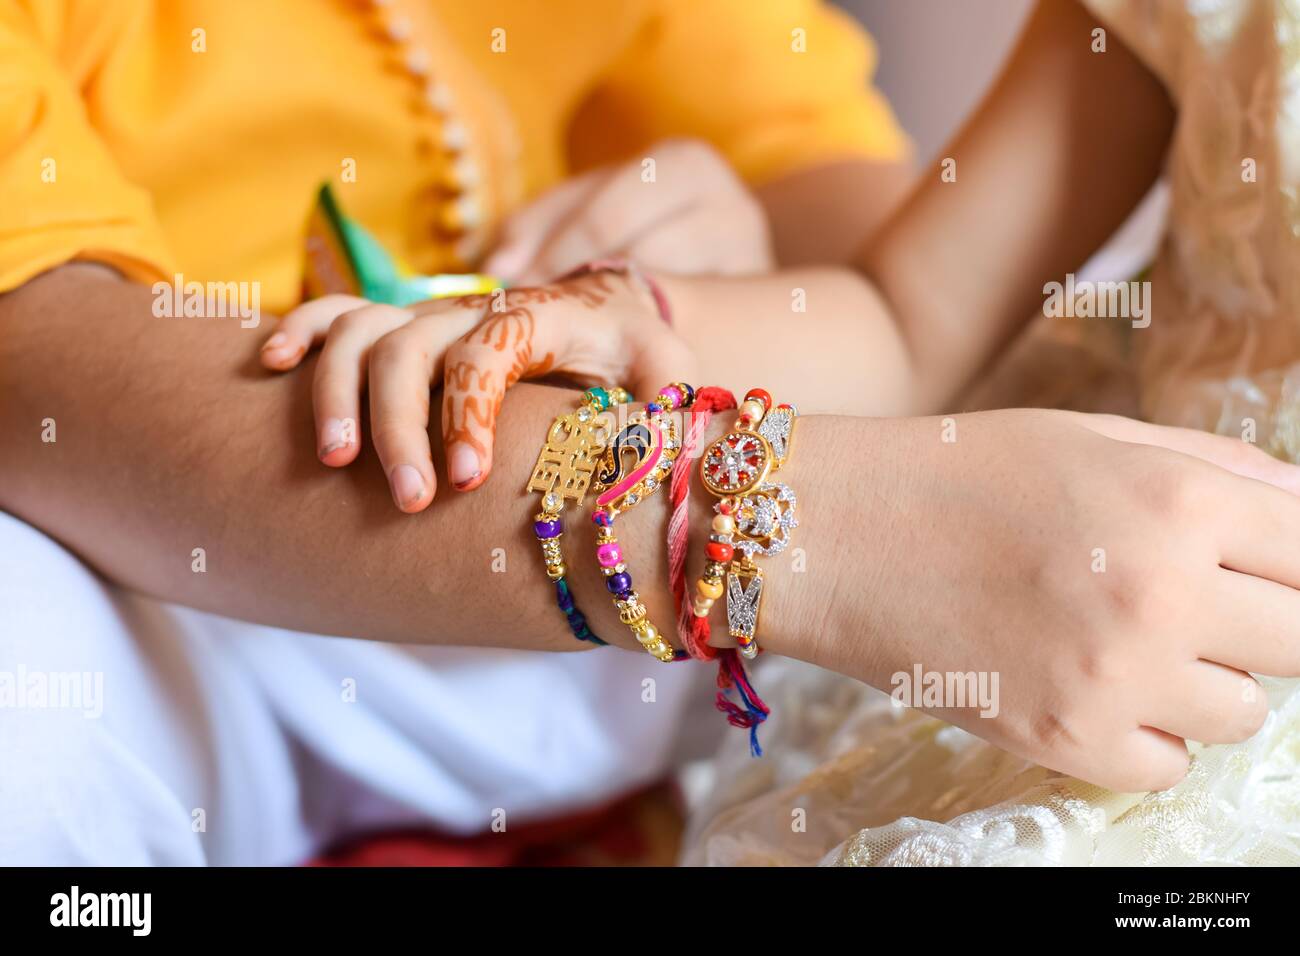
(602, 328)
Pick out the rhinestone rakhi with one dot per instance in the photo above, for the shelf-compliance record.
(754, 515)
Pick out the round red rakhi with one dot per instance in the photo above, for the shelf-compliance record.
(735, 463)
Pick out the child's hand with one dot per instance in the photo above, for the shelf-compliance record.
(694, 216)
(603, 328)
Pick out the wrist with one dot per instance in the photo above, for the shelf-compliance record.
(819, 595)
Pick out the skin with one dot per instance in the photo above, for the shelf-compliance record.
(1033, 198)
(697, 217)
(1100, 672)
(1201, 569)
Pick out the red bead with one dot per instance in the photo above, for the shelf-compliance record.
(719, 551)
(761, 394)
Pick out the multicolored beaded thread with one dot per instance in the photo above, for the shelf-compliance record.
(563, 473)
(651, 436)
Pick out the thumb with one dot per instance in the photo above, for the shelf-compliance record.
(656, 364)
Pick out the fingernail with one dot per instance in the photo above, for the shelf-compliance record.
(408, 486)
(463, 466)
(277, 341)
(334, 434)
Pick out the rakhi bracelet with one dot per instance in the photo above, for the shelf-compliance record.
(636, 464)
(563, 473)
(754, 515)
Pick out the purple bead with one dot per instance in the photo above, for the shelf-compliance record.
(548, 529)
(618, 582)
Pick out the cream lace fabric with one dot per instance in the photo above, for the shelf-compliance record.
(852, 780)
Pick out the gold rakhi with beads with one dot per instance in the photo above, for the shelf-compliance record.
(637, 463)
(574, 445)
(754, 515)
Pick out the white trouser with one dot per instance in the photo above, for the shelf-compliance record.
(137, 732)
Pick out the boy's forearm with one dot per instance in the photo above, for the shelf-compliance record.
(169, 438)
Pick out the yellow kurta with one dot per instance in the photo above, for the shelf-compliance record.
(190, 136)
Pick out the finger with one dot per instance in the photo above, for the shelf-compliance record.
(481, 367)
(658, 358)
(1258, 525)
(1208, 702)
(1232, 454)
(724, 238)
(304, 327)
(618, 214)
(341, 375)
(1147, 759)
(400, 371)
(401, 367)
(525, 231)
(1265, 636)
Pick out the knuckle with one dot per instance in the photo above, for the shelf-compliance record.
(1176, 490)
(1135, 599)
(362, 322)
(391, 347)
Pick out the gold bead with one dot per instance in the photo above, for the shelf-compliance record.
(556, 571)
(709, 589)
(632, 614)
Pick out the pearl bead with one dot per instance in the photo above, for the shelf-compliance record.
(724, 524)
(702, 606)
(752, 410)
